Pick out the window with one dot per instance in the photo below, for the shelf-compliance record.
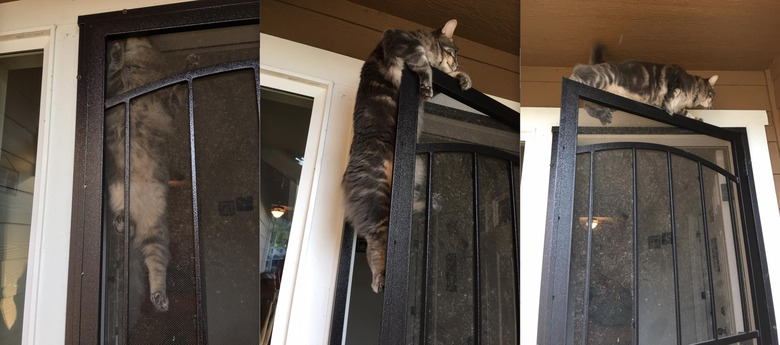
(653, 234)
(284, 132)
(166, 234)
(452, 269)
(20, 95)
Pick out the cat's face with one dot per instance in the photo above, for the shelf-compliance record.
(704, 91)
(443, 52)
(131, 63)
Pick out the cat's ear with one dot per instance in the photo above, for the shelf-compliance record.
(713, 79)
(449, 28)
(116, 55)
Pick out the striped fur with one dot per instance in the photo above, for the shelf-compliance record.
(367, 179)
(131, 63)
(668, 87)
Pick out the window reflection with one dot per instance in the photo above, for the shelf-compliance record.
(20, 93)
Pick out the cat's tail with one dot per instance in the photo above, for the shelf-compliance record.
(596, 54)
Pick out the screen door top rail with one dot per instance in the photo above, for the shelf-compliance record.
(182, 77)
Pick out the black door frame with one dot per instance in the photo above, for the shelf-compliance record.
(553, 313)
(83, 325)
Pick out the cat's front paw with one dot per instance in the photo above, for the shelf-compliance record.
(426, 92)
(464, 80)
(160, 301)
(378, 283)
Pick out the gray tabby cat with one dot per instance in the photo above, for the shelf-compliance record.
(667, 87)
(132, 63)
(368, 176)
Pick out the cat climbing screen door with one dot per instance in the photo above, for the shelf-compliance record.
(452, 270)
(166, 228)
(652, 233)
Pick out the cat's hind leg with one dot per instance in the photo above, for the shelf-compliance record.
(149, 211)
(376, 252)
(154, 250)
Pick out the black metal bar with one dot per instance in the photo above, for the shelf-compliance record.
(337, 309)
(589, 229)
(123, 331)
(707, 250)
(464, 147)
(656, 147)
(738, 250)
(732, 339)
(200, 296)
(677, 314)
(635, 324)
(614, 101)
(475, 99)
(426, 250)
(516, 247)
(633, 130)
(338, 322)
(394, 307)
(763, 304)
(557, 329)
(477, 272)
(182, 77)
(548, 262)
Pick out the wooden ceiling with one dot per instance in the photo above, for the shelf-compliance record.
(699, 35)
(494, 23)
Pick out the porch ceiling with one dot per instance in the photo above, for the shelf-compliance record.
(494, 23)
(699, 35)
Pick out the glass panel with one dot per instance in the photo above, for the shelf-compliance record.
(161, 270)
(284, 129)
(611, 288)
(445, 120)
(20, 94)
(695, 297)
(450, 303)
(725, 279)
(227, 185)
(631, 127)
(656, 320)
(579, 247)
(497, 253)
(742, 262)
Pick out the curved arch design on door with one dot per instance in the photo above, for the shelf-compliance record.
(648, 242)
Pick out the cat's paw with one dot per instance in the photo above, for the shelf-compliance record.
(378, 283)
(464, 80)
(119, 223)
(426, 92)
(604, 115)
(192, 61)
(160, 301)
